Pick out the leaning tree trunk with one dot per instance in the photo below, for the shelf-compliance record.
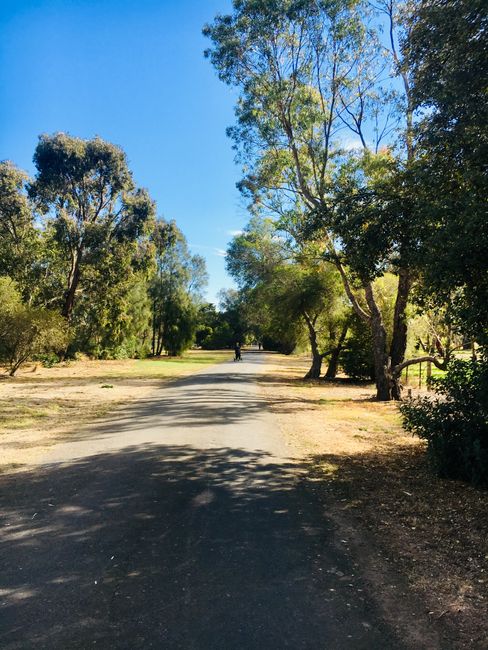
(73, 281)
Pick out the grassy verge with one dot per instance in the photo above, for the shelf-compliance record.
(374, 477)
(40, 405)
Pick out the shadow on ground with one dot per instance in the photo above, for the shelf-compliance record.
(175, 547)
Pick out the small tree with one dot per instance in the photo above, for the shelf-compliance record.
(25, 331)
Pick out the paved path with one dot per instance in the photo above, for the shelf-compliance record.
(179, 523)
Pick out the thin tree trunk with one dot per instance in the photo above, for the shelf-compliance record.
(153, 341)
(73, 282)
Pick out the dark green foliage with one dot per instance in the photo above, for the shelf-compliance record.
(216, 328)
(447, 51)
(455, 425)
(77, 241)
(357, 359)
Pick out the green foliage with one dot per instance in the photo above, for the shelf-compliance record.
(19, 239)
(446, 49)
(93, 207)
(357, 359)
(175, 290)
(455, 425)
(26, 332)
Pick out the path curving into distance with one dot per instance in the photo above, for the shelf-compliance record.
(180, 522)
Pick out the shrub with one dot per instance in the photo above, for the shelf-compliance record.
(357, 359)
(26, 332)
(48, 359)
(455, 425)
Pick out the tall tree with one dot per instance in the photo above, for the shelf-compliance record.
(86, 188)
(447, 50)
(307, 71)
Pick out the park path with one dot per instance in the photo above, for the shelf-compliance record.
(180, 522)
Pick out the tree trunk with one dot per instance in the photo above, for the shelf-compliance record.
(399, 338)
(73, 281)
(154, 327)
(381, 358)
(333, 366)
(316, 367)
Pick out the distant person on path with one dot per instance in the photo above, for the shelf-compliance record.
(237, 351)
(259, 345)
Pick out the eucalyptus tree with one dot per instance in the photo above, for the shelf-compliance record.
(87, 191)
(310, 72)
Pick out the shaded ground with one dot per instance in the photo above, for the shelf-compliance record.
(376, 485)
(184, 521)
(41, 405)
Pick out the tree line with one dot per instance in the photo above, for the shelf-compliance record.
(86, 265)
(361, 130)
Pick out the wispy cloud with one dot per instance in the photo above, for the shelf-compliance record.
(234, 233)
(351, 144)
(218, 252)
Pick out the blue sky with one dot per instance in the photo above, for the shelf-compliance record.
(132, 72)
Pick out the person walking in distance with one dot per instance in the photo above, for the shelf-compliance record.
(237, 351)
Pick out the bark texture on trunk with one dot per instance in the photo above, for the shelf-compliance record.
(380, 353)
(399, 338)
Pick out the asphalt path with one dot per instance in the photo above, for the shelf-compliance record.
(183, 521)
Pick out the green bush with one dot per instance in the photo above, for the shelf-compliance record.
(26, 332)
(48, 360)
(357, 359)
(455, 424)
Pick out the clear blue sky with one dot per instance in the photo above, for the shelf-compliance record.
(132, 72)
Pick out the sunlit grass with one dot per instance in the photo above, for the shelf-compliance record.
(65, 396)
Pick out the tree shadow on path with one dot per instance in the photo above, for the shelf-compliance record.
(170, 546)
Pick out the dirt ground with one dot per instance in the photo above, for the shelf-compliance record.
(39, 406)
(377, 487)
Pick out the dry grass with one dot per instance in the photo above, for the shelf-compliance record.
(375, 477)
(40, 405)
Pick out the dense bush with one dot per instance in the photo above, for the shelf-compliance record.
(27, 332)
(455, 424)
(357, 359)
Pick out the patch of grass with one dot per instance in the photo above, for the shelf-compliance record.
(19, 414)
(40, 404)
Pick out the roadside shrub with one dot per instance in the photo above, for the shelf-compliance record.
(26, 332)
(455, 424)
(48, 360)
